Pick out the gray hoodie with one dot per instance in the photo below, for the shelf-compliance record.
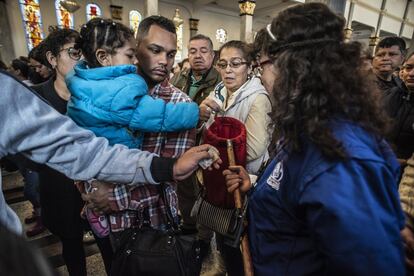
(28, 125)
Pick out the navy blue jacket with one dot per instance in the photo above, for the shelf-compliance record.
(310, 215)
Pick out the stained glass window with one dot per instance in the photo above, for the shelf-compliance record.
(134, 20)
(221, 35)
(92, 11)
(64, 18)
(32, 22)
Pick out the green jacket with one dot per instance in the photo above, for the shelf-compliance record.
(183, 82)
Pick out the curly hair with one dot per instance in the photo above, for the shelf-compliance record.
(57, 38)
(319, 79)
(102, 33)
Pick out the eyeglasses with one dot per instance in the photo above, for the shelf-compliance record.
(73, 53)
(261, 65)
(234, 63)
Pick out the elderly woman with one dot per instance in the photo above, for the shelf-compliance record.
(241, 96)
(328, 202)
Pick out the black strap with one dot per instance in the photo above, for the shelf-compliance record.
(169, 217)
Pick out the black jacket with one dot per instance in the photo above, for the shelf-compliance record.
(399, 104)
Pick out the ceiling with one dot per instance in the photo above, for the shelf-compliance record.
(265, 9)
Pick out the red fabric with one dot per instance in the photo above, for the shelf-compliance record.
(216, 135)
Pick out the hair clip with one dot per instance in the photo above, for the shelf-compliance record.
(269, 32)
(102, 21)
(113, 24)
(84, 26)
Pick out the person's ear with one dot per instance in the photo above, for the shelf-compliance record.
(51, 59)
(103, 57)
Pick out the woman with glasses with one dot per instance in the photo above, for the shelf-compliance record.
(60, 200)
(241, 96)
(327, 204)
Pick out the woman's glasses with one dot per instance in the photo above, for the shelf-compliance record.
(234, 63)
(261, 65)
(73, 53)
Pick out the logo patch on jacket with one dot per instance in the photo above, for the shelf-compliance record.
(276, 177)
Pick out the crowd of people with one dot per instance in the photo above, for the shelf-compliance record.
(325, 159)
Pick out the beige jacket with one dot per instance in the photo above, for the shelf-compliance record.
(406, 190)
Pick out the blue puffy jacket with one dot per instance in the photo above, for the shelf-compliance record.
(309, 215)
(113, 103)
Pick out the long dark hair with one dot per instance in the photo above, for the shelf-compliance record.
(319, 79)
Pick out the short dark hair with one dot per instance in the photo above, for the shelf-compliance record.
(58, 38)
(38, 53)
(158, 20)
(22, 66)
(203, 37)
(245, 48)
(408, 56)
(388, 42)
(101, 33)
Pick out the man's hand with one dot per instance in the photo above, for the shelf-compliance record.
(188, 162)
(237, 177)
(98, 200)
(206, 107)
(408, 239)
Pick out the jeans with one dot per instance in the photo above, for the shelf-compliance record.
(31, 186)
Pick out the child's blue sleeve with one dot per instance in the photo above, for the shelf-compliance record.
(155, 115)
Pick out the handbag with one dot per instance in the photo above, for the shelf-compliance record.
(215, 207)
(228, 222)
(148, 251)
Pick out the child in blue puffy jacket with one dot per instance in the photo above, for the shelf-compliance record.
(110, 99)
(107, 95)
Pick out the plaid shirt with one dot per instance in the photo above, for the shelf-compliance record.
(134, 204)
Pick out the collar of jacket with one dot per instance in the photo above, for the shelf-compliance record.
(209, 77)
(99, 73)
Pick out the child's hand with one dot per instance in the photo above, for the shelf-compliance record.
(98, 199)
(237, 177)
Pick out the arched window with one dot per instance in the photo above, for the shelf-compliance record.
(32, 22)
(221, 35)
(134, 20)
(92, 11)
(64, 18)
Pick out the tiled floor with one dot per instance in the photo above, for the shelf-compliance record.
(50, 245)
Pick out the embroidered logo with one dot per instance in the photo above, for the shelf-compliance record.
(276, 177)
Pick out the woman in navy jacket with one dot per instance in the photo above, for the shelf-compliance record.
(328, 202)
